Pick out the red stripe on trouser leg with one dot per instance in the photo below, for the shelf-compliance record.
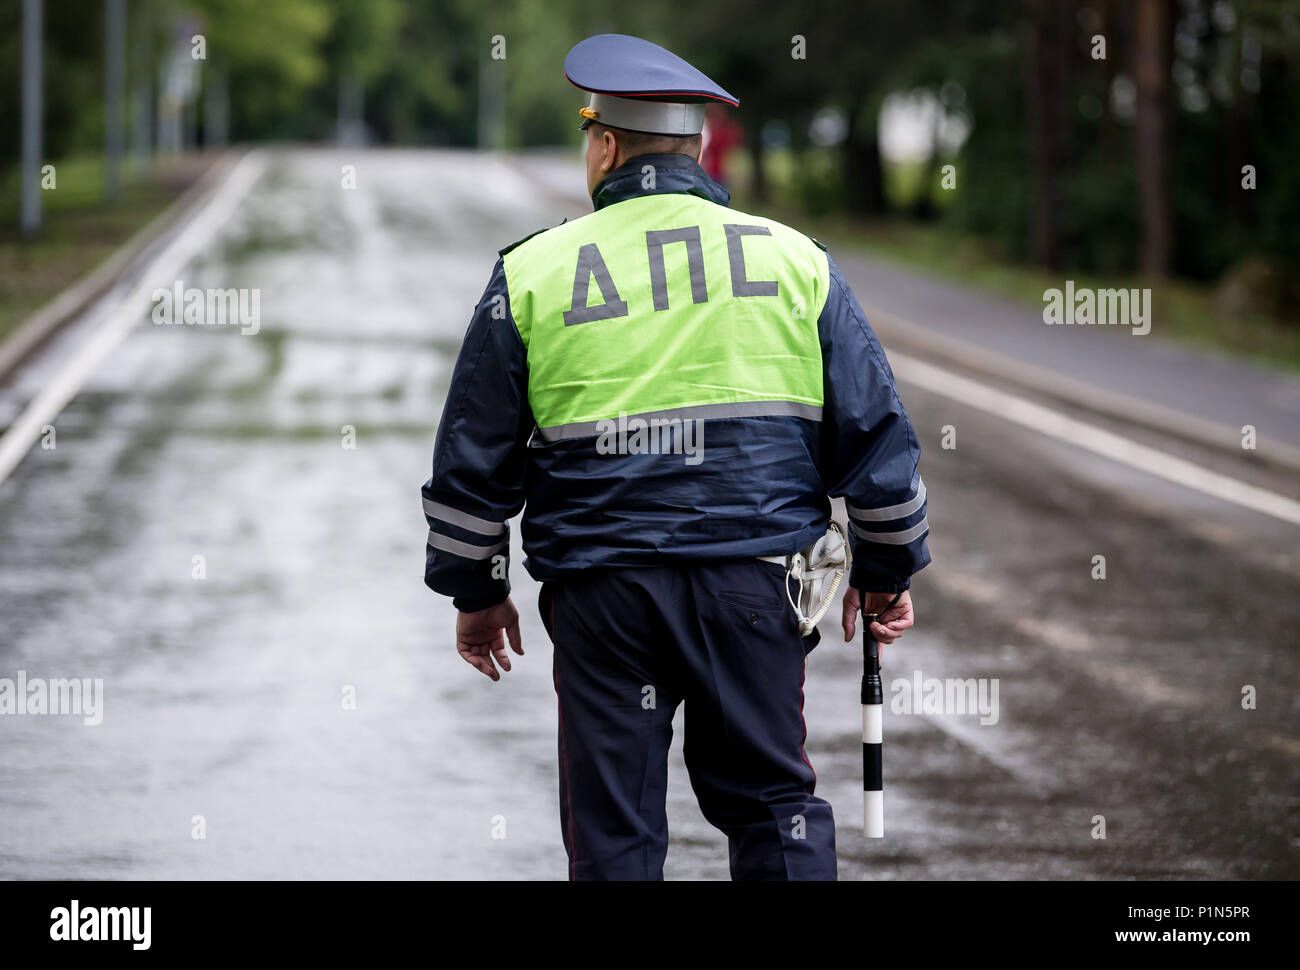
(564, 761)
(802, 720)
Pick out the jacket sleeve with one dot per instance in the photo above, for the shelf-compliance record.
(479, 458)
(869, 452)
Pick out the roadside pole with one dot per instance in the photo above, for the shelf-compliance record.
(32, 112)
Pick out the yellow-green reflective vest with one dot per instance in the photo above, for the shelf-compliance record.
(663, 303)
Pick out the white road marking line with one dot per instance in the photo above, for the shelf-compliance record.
(164, 270)
(1083, 435)
(931, 345)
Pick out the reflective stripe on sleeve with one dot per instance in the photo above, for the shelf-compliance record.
(445, 513)
(888, 512)
(900, 538)
(464, 549)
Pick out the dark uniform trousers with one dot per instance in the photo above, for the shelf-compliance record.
(630, 645)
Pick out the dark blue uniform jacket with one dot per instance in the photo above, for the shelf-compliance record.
(584, 510)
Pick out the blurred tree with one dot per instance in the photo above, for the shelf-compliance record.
(1174, 152)
(356, 52)
(422, 87)
(1045, 29)
(1152, 65)
(114, 95)
(273, 53)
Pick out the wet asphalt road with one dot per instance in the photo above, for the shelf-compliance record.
(1118, 698)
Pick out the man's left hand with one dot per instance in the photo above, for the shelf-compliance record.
(891, 624)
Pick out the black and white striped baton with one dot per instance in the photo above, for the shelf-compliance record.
(873, 717)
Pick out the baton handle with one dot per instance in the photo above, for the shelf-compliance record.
(873, 708)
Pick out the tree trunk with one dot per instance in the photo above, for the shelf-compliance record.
(1234, 152)
(864, 177)
(923, 207)
(1152, 56)
(1106, 134)
(1043, 59)
(864, 172)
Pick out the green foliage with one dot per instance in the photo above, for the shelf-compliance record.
(272, 53)
(818, 183)
(991, 198)
(74, 78)
(279, 42)
(419, 67)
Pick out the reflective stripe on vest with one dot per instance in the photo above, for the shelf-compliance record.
(665, 302)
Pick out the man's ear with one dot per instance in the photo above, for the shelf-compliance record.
(609, 151)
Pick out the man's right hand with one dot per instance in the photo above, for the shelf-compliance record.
(891, 624)
(478, 637)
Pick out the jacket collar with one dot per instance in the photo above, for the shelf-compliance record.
(678, 174)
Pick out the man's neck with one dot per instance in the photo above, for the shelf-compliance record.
(657, 174)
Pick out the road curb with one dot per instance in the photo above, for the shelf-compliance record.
(963, 355)
(35, 330)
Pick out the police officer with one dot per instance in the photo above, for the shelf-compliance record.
(670, 389)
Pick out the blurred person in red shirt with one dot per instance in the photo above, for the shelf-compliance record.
(721, 134)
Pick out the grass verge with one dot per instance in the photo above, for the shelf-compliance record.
(79, 231)
(1181, 310)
